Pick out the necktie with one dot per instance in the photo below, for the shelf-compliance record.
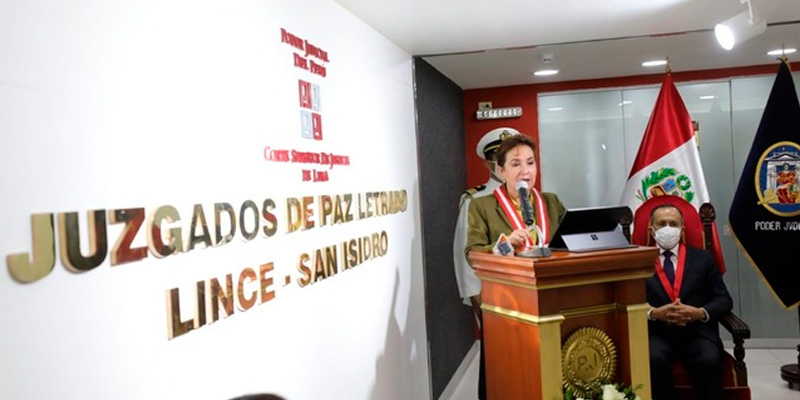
(669, 269)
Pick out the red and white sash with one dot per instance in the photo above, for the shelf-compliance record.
(515, 219)
(673, 290)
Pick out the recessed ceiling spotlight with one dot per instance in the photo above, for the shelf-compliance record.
(779, 52)
(546, 72)
(654, 63)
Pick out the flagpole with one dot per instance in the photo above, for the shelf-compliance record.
(791, 372)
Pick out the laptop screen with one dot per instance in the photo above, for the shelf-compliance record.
(591, 219)
(591, 228)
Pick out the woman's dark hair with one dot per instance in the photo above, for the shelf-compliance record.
(510, 143)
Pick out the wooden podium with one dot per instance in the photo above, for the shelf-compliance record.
(530, 306)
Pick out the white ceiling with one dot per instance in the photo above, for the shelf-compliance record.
(494, 43)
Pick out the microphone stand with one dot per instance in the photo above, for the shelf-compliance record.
(539, 250)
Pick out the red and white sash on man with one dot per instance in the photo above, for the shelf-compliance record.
(673, 289)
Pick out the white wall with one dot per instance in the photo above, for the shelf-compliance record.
(108, 104)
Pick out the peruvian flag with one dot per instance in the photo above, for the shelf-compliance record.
(668, 162)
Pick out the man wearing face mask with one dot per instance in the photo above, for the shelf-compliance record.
(687, 297)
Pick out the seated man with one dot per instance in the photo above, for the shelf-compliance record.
(687, 296)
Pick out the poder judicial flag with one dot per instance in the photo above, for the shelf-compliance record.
(765, 214)
(668, 162)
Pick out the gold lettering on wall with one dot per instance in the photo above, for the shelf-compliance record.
(198, 218)
(271, 221)
(308, 212)
(293, 214)
(155, 241)
(245, 302)
(299, 213)
(176, 327)
(122, 251)
(303, 268)
(219, 295)
(219, 208)
(248, 205)
(331, 260)
(70, 240)
(210, 295)
(325, 209)
(25, 267)
(83, 248)
(200, 304)
(325, 263)
(266, 283)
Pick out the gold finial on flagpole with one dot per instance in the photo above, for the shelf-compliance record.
(668, 69)
(784, 59)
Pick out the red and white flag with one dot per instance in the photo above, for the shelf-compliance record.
(668, 162)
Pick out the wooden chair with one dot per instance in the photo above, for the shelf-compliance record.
(698, 233)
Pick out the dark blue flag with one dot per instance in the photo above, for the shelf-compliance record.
(765, 214)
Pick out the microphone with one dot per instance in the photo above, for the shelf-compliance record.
(525, 202)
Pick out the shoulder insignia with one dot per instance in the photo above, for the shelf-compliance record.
(473, 190)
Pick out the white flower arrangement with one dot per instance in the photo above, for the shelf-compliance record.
(608, 391)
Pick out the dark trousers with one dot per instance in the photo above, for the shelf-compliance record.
(482, 371)
(701, 358)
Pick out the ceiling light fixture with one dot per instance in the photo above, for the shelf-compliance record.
(555, 108)
(739, 28)
(780, 52)
(546, 72)
(709, 97)
(654, 63)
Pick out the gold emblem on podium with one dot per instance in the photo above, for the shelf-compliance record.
(589, 358)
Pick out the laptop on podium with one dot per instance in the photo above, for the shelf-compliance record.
(590, 229)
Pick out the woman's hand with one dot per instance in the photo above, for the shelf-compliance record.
(518, 238)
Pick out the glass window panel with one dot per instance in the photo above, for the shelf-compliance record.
(582, 151)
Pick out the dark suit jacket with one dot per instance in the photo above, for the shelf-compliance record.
(702, 287)
(486, 220)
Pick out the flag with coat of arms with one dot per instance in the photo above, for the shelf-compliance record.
(765, 213)
(668, 162)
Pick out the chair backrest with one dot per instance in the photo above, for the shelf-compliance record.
(694, 227)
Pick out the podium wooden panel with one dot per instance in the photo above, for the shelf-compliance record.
(530, 306)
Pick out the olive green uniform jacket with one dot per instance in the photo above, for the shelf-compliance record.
(486, 220)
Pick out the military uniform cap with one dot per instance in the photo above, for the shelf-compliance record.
(492, 139)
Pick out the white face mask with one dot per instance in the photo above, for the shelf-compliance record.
(668, 236)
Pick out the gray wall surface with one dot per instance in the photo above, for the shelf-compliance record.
(442, 172)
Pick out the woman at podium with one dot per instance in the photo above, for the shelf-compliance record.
(497, 221)
(493, 217)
